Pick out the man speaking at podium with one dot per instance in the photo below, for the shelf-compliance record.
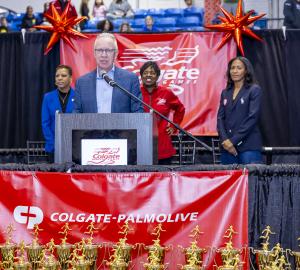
(93, 94)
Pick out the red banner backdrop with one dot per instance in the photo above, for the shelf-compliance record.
(190, 63)
(178, 200)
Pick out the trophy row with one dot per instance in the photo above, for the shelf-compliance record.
(84, 254)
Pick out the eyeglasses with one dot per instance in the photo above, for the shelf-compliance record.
(106, 51)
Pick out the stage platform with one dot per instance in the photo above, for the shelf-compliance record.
(274, 193)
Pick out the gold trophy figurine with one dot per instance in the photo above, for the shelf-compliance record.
(64, 249)
(78, 260)
(121, 251)
(282, 263)
(21, 263)
(156, 252)
(91, 250)
(8, 249)
(276, 260)
(35, 250)
(230, 255)
(194, 254)
(118, 261)
(263, 255)
(48, 261)
(297, 257)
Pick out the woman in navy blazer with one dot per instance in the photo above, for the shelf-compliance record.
(60, 99)
(238, 115)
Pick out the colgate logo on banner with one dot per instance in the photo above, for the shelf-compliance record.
(29, 215)
(105, 156)
(172, 61)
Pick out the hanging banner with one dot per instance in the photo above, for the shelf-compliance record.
(178, 200)
(190, 65)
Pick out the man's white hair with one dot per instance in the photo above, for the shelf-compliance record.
(107, 35)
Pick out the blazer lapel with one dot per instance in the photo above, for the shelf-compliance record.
(70, 101)
(229, 99)
(57, 100)
(238, 97)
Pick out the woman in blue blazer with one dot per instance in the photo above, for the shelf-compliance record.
(238, 115)
(60, 99)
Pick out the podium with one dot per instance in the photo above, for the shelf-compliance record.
(137, 130)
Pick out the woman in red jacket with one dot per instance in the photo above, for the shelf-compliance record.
(163, 100)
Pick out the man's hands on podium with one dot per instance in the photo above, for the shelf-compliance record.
(228, 146)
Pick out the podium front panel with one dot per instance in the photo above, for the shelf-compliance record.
(69, 127)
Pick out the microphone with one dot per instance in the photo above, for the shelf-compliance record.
(105, 77)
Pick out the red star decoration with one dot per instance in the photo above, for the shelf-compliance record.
(62, 27)
(236, 26)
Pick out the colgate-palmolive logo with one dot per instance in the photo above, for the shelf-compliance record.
(29, 215)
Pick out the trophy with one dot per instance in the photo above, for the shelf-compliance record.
(21, 263)
(297, 257)
(270, 259)
(90, 250)
(263, 258)
(48, 260)
(8, 249)
(121, 252)
(274, 259)
(194, 254)
(64, 249)
(263, 255)
(35, 250)
(78, 260)
(230, 255)
(156, 252)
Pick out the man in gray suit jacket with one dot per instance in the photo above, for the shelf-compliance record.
(94, 95)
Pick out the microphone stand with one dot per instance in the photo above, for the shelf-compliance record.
(181, 130)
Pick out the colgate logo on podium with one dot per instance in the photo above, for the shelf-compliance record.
(29, 215)
(105, 156)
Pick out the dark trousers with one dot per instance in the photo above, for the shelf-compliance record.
(247, 157)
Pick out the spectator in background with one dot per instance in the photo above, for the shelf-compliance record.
(46, 6)
(3, 25)
(44, 19)
(164, 101)
(84, 11)
(29, 20)
(60, 99)
(189, 3)
(149, 25)
(216, 19)
(99, 10)
(238, 115)
(230, 5)
(60, 6)
(120, 9)
(291, 12)
(105, 26)
(125, 28)
(84, 8)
